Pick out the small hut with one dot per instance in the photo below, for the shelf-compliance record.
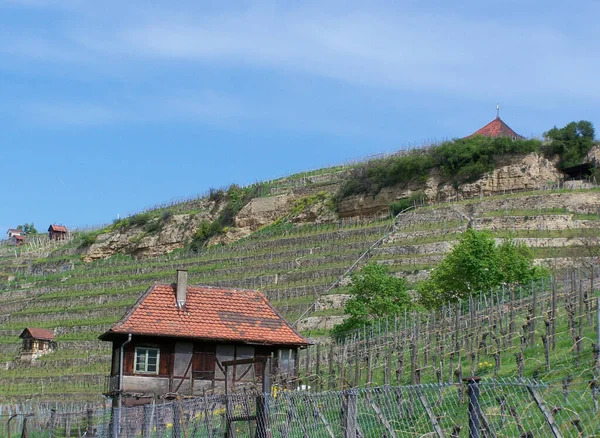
(57, 232)
(13, 232)
(16, 240)
(36, 343)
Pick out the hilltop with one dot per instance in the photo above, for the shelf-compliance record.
(295, 239)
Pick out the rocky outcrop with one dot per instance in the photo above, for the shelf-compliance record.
(513, 174)
(258, 213)
(263, 211)
(173, 234)
(523, 173)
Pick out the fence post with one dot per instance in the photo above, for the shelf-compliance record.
(115, 421)
(52, 420)
(263, 428)
(148, 420)
(177, 423)
(350, 413)
(90, 420)
(474, 408)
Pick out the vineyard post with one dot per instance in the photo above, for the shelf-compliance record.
(350, 413)
(474, 407)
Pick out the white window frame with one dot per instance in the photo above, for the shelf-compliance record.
(145, 371)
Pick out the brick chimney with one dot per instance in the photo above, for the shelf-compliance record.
(181, 287)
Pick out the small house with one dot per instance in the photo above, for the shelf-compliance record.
(13, 232)
(16, 240)
(57, 232)
(36, 343)
(189, 340)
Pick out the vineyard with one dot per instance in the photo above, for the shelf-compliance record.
(302, 269)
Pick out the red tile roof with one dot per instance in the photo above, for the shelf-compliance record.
(217, 314)
(14, 230)
(496, 128)
(38, 333)
(18, 237)
(58, 228)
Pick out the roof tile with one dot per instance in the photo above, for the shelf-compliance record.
(209, 313)
(496, 128)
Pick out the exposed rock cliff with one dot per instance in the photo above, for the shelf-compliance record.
(515, 173)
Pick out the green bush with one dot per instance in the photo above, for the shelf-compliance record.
(88, 239)
(375, 294)
(139, 219)
(571, 143)
(460, 161)
(477, 265)
(401, 205)
(153, 226)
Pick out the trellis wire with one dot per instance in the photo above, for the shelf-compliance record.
(506, 408)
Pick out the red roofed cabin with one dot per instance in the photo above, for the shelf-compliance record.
(175, 339)
(36, 342)
(57, 232)
(497, 128)
(16, 240)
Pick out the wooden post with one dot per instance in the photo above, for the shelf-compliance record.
(317, 379)
(331, 377)
(90, 421)
(147, 430)
(263, 427)
(474, 407)
(547, 413)
(52, 420)
(432, 418)
(350, 413)
(177, 420)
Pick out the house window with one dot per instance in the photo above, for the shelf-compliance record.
(146, 360)
(288, 361)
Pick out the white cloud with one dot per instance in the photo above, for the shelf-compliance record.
(397, 51)
(387, 48)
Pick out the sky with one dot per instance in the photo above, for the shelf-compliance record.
(110, 107)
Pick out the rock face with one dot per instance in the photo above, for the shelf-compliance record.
(263, 211)
(514, 173)
(175, 232)
(526, 173)
(254, 215)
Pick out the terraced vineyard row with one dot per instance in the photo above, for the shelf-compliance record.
(293, 267)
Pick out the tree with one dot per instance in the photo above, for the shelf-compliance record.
(27, 229)
(571, 143)
(374, 294)
(475, 265)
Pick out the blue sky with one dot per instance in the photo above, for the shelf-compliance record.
(109, 107)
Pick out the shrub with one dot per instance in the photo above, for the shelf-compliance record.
(375, 294)
(88, 239)
(139, 219)
(476, 265)
(571, 143)
(154, 226)
(401, 205)
(460, 161)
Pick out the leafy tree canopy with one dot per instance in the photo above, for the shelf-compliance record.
(475, 265)
(27, 229)
(374, 294)
(571, 142)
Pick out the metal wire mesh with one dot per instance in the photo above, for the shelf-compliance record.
(504, 408)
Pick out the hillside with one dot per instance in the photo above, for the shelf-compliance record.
(294, 239)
